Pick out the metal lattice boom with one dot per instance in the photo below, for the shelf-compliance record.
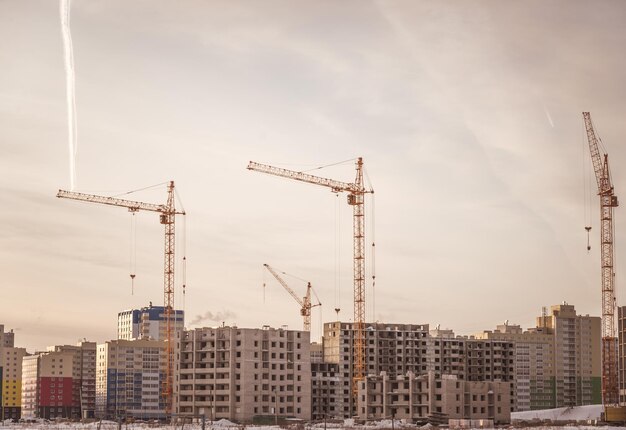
(168, 214)
(608, 201)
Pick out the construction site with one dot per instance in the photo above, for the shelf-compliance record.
(357, 273)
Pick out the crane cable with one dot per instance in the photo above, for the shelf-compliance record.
(372, 217)
(133, 251)
(586, 186)
(337, 256)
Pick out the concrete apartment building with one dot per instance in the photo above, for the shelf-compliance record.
(397, 349)
(147, 323)
(558, 361)
(47, 386)
(243, 374)
(414, 397)
(392, 348)
(10, 376)
(325, 385)
(129, 378)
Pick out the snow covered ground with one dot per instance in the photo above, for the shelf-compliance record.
(578, 413)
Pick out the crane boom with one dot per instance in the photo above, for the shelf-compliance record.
(284, 284)
(336, 186)
(168, 214)
(608, 201)
(356, 193)
(305, 304)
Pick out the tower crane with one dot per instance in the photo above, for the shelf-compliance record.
(608, 201)
(305, 303)
(167, 217)
(356, 198)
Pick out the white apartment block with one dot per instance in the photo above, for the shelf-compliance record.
(243, 374)
(129, 379)
(147, 323)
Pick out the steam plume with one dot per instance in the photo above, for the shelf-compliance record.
(210, 316)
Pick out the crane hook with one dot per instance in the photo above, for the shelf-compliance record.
(588, 245)
(132, 284)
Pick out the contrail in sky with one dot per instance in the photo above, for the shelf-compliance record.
(70, 90)
(545, 109)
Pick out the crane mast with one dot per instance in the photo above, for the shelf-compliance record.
(356, 197)
(168, 214)
(305, 303)
(608, 201)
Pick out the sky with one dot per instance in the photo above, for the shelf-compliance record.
(467, 116)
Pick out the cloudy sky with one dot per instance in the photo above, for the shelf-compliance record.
(467, 116)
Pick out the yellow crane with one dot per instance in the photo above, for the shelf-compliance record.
(608, 201)
(356, 198)
(167, 216)
(305, 302)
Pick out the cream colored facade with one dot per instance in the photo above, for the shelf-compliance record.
(243, 373)
(11, 382)
(557, 362)
(84, 374)
(414, 397)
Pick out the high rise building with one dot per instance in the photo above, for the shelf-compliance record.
(558, 361)
(244, 374)
(397, 349)
(84, 375)
(47, 386)
(10, 376)
(129, 379)
(60, 382)
(391, 348)
(534, 356)
(147, 323)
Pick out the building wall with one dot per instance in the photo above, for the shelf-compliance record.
(577, 361)
(7, 338)
(557, 362)
(534, 375)
(242, 373)
(398, 349)
(147, 323)
(11, 381)
(47, 386)
(325, 385)
(392, 348)
(83, 374)
(418, 397)
(30, 386)
(129, 379)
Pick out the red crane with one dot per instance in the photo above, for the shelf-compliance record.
(608, 201)
(167, 217)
